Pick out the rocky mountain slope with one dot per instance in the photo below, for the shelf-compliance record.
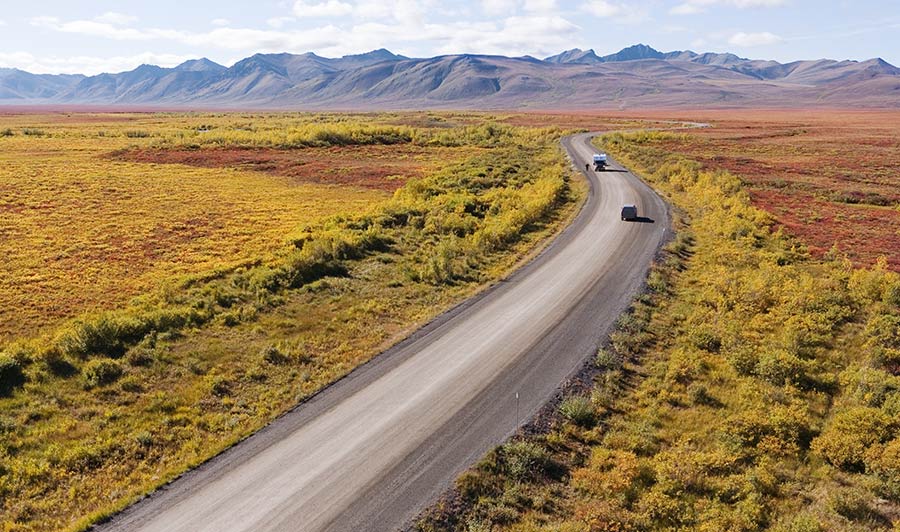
(635, 76)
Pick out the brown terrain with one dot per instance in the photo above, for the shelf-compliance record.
(374, 167)
(828, 177)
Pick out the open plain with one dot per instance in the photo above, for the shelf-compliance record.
(173, 282)
(230, 266)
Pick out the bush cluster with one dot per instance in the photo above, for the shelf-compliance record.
(767, 393)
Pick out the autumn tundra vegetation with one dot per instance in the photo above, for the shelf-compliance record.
(755, 385)
(172, 282)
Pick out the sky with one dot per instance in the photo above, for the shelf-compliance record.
(94, 36)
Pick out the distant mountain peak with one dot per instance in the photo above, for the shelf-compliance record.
(634, 53)
(369, 58)
(586, 57)
(576, 56)
(379, 53)
(147, 67)
(200, 65)
(635, 75)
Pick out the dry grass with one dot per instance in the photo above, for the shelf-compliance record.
(82, 231)
(830, 178)
(752, 387)
(114, 404)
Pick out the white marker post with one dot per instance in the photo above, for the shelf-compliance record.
(517, 412)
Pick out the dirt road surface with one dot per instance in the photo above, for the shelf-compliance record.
(371, 451)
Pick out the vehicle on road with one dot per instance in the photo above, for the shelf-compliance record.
(629, 212)
(600, 162)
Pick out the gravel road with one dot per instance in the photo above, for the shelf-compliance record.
(374, 449)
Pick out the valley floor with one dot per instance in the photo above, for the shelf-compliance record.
(755, 386)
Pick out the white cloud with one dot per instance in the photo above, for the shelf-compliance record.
(518, 35)
(220, 22)
(86, 64)
(328, 8)
(279, 22)
(747, 40)
(601, 8)
(620, 12)
(226, 38)
(495, 8)
(690, 7)
(402, 26)
(90, 27)
(116, 19)
(686, 9)
(2, 23)
(546, 7)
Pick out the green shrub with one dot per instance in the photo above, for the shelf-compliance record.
(140, 356)
(11, 375)
(780, 367)
(891, 295)
(782, 426)
(607, 360)
(111, 333)
(104, 335)
(86, 457)
(699, 395)
(131, 383)
(884, 463)
(657, 282)
(144, 439)
(891, 406)
(869, 386)
(102, 371)
(579, 410)
(884, 330)
(219, 385)
(629, 344)
(525, 460)
(275, 356)
(849, 434)
(743, 359)
(705, 340)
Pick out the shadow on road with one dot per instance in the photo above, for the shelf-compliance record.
(642, 220)
(612, 170)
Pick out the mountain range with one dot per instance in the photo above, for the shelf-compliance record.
(635, 76)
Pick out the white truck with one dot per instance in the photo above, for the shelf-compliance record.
(599, 162)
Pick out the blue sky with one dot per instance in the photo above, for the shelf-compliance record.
(93, 36)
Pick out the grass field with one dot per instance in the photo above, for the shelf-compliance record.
(829, 178)
(82, 231)
(754, 386)
(171, 283)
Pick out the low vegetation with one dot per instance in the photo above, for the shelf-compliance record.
(829, 178)
(100, 407)
(752, 387)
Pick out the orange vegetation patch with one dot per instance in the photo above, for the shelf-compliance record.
(80, 232)
(372, 167)
(587, 120)
(828, 177)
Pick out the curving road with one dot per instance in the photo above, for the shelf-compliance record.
(373, 450)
